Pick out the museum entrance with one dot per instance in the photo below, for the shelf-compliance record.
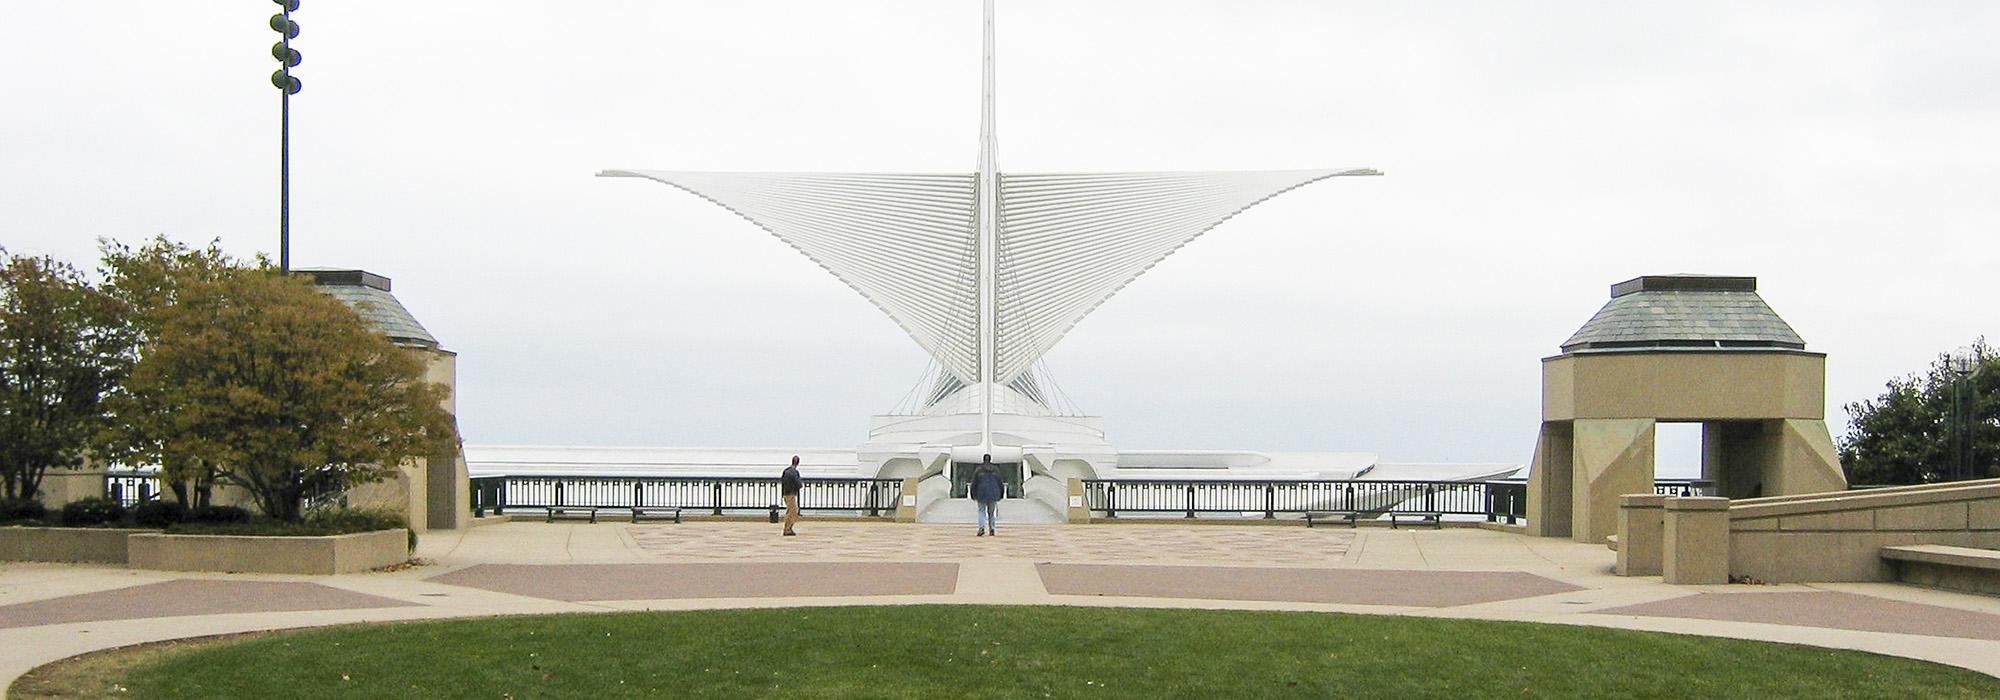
(961, 478)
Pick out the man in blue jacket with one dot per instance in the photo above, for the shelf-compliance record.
(789, 485)
(987, 490)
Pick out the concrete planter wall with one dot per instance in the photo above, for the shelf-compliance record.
(1822, 537)
(1839, 536)
(336, 554)
(66, 544)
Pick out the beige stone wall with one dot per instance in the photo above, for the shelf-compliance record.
(1838, 536)
(1684, 386)
(63, 486)
(1761, 412)
(338, 554)
(402, 492)
(65, 544)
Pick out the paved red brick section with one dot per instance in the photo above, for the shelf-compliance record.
(1162, 543)
(579, 582)
(1426, 589)
(1829, 609)
(188, 597)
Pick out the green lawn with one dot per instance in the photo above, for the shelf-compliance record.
(1020, 652)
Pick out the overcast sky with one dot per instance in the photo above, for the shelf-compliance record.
(1844, 153)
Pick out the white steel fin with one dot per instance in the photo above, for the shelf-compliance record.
(1069, 241)
(904, 241)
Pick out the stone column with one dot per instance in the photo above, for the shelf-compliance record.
(1695, 541)
(1079, 505)
(1550, 484)
(1611, 458)
(1641, 519)
(906, 506)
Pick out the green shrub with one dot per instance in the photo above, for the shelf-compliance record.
(334, 522)
(217, 515)
(358, 519)
(22, 510)
(157, 513)
(260, 527)
(92, 511)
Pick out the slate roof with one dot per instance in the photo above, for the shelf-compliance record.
(1684, 312)
(368, 294)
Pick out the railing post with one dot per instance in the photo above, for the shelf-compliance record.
(117, 492)
(1190, 501)
(638, 494)
(1110, 500)
(718, 498)
(559, 490)
(1430, 497)
(1350, 498)
(500, 497)
(1270, 501)
(874, 499)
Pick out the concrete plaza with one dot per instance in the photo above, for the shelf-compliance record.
(51, 611)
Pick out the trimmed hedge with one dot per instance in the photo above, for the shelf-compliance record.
(158, 513)
(22, 510)
(333, 522)
(218, 515)
(92, 511)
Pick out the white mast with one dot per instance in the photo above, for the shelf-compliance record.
(988, 214)
(898, 239)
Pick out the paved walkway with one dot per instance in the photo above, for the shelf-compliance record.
(51, 611)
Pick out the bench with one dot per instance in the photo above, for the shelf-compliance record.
(1945, 555)
(571, 512)
(649, 511)
(637, 512)
(1435, 519)
(1945, 566)
(1353, 517)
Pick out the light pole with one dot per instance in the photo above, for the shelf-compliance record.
(1965, 371)
(287, 86)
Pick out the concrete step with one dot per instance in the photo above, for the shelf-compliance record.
(1969, 569)
(1013, 511)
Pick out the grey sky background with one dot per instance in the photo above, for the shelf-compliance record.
(1842, 152)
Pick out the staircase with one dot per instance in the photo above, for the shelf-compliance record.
(1013, 511)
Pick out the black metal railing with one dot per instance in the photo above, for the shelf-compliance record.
(130, 488)
(1492, 500)
(1684, 487)
(717, 495)
(1190, 497)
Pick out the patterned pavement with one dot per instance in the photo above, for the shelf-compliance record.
(1240, 545)
(1825, 609)
(1429, 589)
(532, 567)
(580, 582)
(187, 597)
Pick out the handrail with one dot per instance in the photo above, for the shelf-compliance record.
(1494, 500)
(873, 497)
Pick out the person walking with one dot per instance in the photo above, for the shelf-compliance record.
(987, 490)
(789, 485)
